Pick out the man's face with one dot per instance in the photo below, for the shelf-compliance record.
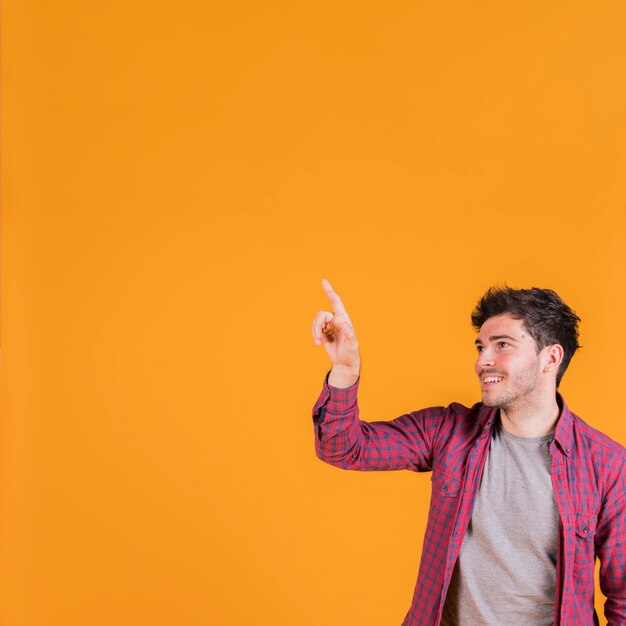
(508, 364)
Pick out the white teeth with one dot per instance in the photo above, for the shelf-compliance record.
(492, 379)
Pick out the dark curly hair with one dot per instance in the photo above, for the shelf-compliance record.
(546, 317)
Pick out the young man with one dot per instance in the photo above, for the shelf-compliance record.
(525, 494)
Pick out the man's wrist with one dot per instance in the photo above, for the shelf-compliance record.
(343, 377)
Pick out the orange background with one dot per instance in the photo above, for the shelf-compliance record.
(177, 180)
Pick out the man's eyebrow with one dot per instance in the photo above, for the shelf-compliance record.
(496, 337)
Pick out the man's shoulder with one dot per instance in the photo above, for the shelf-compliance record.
(458, 420)
(456, 411)
(597, 439)
(477, 411)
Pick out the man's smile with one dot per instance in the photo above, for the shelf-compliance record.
(490, 379)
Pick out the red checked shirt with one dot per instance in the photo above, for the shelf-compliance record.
(588, 476)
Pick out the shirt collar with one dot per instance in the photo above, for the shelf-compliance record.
(564, 426)
(562, 432)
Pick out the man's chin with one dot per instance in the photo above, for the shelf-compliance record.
(492, 403)
(503, 401)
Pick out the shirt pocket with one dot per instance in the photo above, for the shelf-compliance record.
(446, 486)
(584, 554)
(444, 505)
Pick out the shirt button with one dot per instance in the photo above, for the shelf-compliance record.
(586, 529)
(567, 450)
(445, 487)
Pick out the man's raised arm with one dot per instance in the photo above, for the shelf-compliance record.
(341, 439)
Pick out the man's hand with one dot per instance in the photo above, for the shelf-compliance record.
(336, 332)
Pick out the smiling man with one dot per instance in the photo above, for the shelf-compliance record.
(525, 494)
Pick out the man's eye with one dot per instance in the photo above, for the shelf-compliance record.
(502, 344)
(479, 348)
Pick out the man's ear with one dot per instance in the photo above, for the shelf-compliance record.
(554, 357)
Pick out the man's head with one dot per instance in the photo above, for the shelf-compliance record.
(536, 318)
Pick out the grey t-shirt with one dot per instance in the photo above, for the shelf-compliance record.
(505, 574)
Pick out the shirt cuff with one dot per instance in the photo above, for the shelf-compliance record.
(335, 403)
(341, 398)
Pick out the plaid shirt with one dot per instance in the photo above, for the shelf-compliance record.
(588, 476)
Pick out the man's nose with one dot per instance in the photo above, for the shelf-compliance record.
(486, 358)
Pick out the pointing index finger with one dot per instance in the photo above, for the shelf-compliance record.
(338, 306)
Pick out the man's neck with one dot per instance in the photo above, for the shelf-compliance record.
(530, 419)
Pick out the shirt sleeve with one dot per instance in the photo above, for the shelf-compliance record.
(343, 440)
(610, 540)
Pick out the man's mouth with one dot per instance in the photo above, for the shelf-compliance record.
(491, 380)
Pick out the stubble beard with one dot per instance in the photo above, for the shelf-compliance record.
(523, 384)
